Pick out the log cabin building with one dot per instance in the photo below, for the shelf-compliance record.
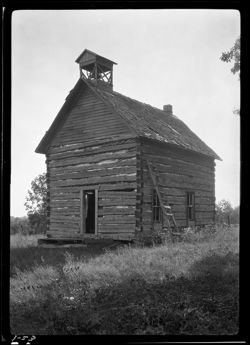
(115, 165)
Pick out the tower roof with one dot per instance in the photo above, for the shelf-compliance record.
(87, 58)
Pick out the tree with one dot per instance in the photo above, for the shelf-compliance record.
(235, 216)
(36, 204)
(224, 210)
(233, 55)
(19, 225)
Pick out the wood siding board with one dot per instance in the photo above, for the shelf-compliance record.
(89, 106)
(95, 173)
(155, 153)
(124, 138)
(91, 151)
(91, 159)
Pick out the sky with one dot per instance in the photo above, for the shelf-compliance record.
(162, 56)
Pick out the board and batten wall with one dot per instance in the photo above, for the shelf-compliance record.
(94, 150)
(180, 171)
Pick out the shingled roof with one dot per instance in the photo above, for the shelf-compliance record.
(144, 119)
(153, 123)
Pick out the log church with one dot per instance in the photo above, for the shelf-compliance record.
(118, 168)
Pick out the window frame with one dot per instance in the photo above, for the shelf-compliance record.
(190, 204)
(156, 208)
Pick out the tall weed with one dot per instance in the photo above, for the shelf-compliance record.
(27, 285)
(22, 241)
(186, 287)
(158, 263)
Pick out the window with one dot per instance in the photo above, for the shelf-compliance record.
(157, 211)
(190, 205)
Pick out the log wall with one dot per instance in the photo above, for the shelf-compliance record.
(112, 172)
(179, 172)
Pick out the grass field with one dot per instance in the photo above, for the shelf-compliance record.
(188, 287)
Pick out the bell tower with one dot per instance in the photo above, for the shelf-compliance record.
(96, 68)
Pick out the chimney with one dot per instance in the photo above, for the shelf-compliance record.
(168, 109)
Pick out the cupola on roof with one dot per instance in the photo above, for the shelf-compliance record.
(96, 68)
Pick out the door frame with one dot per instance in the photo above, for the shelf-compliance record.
(82, 210)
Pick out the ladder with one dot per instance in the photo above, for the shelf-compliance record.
(168, 216)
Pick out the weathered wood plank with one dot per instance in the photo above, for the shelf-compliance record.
(190, 186)
(117, 202)
(166, 162)
(122, 138)
(63, 203)
(181, 200)
(204, 200)
(117, 194)
(204, 208)
(116, 210)
(55, 217)
(91, 151)
(65, 218)
(194, 174)
(91, 159)
(58, 234)
(65, 196)
(59, 212)
(61, 225)
(92, 173)
(111, 163)
(95, 180)
(186, 155)
(87, 139)
(103, 187)
(116, 236)
(116, 220)
(166, 178)
(60, 229)
(118, 186)
(116, 228)
(83, 135)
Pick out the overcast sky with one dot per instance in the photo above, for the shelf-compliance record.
(163, 57)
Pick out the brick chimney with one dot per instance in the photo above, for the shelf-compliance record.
(168, 109)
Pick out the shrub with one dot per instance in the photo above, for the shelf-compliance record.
(20, 225)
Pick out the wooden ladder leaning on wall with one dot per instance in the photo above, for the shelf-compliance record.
(168, 216)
